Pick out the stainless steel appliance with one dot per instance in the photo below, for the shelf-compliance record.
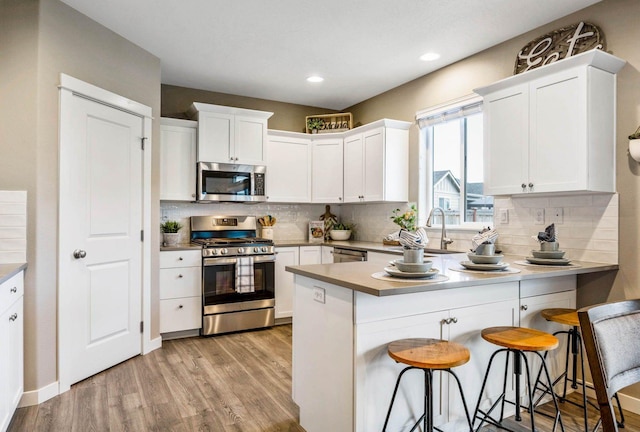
(348, 255)
(218, 182)
(233, 297)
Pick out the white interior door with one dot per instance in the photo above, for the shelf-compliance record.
(100, 247)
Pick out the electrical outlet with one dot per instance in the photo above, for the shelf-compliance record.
(504, 216)
(538, 216)
(318, 294)
(557, 215)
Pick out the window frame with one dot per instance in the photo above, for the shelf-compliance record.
(426, 119)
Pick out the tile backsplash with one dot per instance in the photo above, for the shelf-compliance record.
(13, 227)
(588, 230)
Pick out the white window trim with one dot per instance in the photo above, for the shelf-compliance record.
(457, 108)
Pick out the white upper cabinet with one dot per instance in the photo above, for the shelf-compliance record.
(552, 129)
(288, 167)
(177, 159)
(326, 170)
(376, 162)
(230, 135)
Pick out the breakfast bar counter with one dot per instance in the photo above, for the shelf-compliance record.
(344, 318)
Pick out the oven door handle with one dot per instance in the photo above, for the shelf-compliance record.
(227, 261)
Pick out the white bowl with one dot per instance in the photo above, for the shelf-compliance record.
(484, 259)
(422, 267)
(340, 234)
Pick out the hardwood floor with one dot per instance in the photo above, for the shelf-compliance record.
(239, 383)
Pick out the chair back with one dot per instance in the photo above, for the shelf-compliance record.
(611, 335)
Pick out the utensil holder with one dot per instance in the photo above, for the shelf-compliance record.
(267, 233)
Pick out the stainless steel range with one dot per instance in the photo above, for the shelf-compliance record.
(237, 274)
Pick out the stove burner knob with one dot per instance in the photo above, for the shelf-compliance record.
(256, 249)
(240, 250)
(263, 248)
(224, 251)
(214, 251)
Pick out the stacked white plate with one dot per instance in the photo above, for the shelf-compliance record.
(548, 257)
(484, 262)
(399, 268)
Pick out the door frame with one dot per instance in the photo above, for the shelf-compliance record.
(72, 87)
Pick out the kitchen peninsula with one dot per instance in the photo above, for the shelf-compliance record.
(344, 318)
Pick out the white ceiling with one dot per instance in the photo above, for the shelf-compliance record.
(266, 49)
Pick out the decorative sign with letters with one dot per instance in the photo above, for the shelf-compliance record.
(559, 45)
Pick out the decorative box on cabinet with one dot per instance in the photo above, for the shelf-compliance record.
(376, 162)
(230, 135)
(178, 159)
(180, 290)
(288, 167)
(12, 341)
(552, 129)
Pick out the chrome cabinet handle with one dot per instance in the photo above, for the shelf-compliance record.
(13, 317)
(524, 307)
(79, 254)
(523, 186)
(180, 276)
(179, 258)
(530, 185)
(454, 320)
(14, 290)
(180, 306)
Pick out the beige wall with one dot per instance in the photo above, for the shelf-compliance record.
(286, 116)
(48, 38)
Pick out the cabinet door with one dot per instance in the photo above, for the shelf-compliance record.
(286, 256)
(289, 170)
(178, 162)
(216, 135)
(327, 170)
(506, 141)
(327, 255)
(466, 330)
(11, 361)
(374, 168)
(353, 169)
(530, 308)
(180, 314)
(310, 255)
(558, 129)
(250, 140)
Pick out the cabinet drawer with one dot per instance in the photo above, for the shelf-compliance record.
(11, 290)
(180, 282)
(180, 314)
(183, 258)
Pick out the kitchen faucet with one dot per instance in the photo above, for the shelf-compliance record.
(444, 241)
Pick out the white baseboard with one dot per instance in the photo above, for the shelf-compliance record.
(36, 397)
(152, 345)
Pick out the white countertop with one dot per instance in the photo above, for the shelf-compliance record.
(7, 271)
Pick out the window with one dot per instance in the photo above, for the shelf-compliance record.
(452, 137)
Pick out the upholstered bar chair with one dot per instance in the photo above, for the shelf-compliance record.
(611, 336)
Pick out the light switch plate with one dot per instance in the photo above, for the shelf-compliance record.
(557, 215)
(504, 216)
(538, 216)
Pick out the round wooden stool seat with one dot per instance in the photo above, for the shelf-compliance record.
(562, 316)
(428, 353)
(520, 338)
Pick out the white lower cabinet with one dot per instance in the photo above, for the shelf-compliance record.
(284, 281)
(12, 341)
(180, 290)
(550, 293)
(327, 255)
(285, 256)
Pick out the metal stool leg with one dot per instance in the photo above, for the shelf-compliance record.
(393, 398)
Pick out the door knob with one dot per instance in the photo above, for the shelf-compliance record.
(79, 253)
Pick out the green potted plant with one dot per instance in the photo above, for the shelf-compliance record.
(170, 232)
(634, 145)
(314, 124)
(341, 231)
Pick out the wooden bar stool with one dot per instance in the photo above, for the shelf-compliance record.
(516, 340)
(574, 343)
(428, 355)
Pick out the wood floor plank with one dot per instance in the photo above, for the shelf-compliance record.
(228, 383)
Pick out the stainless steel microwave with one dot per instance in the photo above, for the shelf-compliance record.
(219, 182)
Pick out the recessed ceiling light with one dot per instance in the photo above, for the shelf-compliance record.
(315, 79)
(430, 56)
